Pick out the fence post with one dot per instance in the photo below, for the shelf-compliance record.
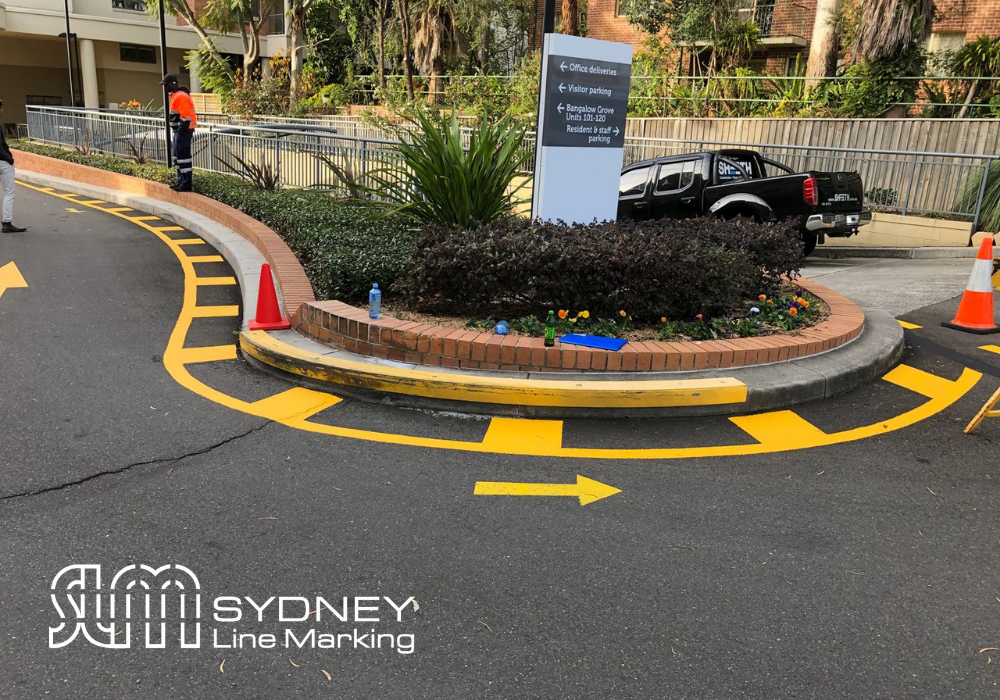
(909, 185)
(211, 151)
(982, 193)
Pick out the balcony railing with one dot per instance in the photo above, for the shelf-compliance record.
(778, 21)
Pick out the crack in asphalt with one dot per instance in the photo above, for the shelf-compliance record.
(121, 470)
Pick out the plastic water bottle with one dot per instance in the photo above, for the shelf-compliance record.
(375, 302)
(501, 328)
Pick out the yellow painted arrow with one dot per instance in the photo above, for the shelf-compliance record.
(74, 211)
(11, 278)
(587, 490)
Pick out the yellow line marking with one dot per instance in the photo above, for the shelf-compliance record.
(533, 436)
(89, 202)
(950, 392)
(990, 348)
(587, 490)
(71, 210)
(11, 278)
(295, 404)
(145, 218)
(203, 258)
(119, 210)
(518, 392)
(213, 281)
(214, 311)
(190, 241)
(919, 381)
(908, 325)
(170, 228)
(780, 427)
(213, 353)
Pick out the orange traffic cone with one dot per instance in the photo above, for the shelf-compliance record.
(269, 316)
(975, 311)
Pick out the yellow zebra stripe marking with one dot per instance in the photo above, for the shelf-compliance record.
(296, 404)
(190, 241)
(144, 218)
(990, 348)
(119, 210)
(211, 281)
(91, 202)
(203, 258)
(169, 228)
(213, 353)
(511, 435)
(919, 381)
(780, 428)
(214, 311)
(908, 325)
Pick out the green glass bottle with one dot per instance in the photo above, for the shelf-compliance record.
(550, 330)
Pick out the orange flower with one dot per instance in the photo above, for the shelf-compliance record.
(699, 316)
(762, 297)
(792, 311)
(563, 313)
(663, 319)
(622, 312)
(770, 302)
(805, 304)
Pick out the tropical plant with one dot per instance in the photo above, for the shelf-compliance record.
(977, 59)
(263, 176)
(436, 39)
(137, 148)
(438, 181)
(989, 213)
(743, 92)
(877, 29)
(737, 42)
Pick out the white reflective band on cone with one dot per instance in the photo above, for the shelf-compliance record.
(981, 278)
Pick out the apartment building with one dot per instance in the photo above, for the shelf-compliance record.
(115, 52)
(786, 28)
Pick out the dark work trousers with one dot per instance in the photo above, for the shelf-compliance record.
(182, 157)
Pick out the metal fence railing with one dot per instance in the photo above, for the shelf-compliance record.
(293, 150)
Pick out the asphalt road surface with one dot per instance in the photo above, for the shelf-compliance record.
(867, 569)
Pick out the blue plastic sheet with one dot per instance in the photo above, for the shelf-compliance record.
(593, 341)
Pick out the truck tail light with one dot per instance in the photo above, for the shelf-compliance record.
(809, 192)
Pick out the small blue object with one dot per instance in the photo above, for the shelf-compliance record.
(593, 341)
(501, 328)
(374, 302)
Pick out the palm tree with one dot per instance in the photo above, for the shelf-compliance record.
(977, 59)
(403, 16)
(887, 27)
(823, 47)
(570, 18)
(436, 38)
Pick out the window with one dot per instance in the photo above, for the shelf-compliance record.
(674, 177)
(620, 7)
(728, 172)
(46, 100)
(131, 53)
(633, 183)
(941, 44)
(131, 5)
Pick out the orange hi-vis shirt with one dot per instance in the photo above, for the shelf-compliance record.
(182, 103)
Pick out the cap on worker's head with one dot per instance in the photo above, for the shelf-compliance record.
(168, 78)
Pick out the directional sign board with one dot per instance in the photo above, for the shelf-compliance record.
(581, 128)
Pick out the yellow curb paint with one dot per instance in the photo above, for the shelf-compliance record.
(190, 241)
(780, 427)
(587, 490)
(203, 258)
(215, 353)
(908, 325)
(119, 210)
(11, 278)
(990, 348)
(168, 228)
(145, 218)
(491, 390)
(948, 394)
(919, 381)
(533, 436)
(214, 311)
(214, 281)
(295, 404)
(89, 202)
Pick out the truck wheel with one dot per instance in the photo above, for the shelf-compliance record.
(809, 241)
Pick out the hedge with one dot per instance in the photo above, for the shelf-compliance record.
(651, 269)
(342, 249)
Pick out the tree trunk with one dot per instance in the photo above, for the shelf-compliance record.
(968, 100)
(823, 48)
(383, 12)
(570, 18)
(297, 50)
(403, 8)
(436, 89)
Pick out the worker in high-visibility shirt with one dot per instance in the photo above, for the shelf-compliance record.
(183, 121)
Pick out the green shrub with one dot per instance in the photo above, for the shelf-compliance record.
(486, 96)
(342, 248)
(669, 268)
(333, 96)
(989, 215)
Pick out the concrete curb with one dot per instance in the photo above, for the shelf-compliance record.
(768, 387)
(930, 253)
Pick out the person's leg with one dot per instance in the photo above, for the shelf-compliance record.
(173, 152)
(184, 167)
(7, 179)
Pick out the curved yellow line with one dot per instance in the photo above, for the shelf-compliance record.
(172, 361)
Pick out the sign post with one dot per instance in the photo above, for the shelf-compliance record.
(581, 128)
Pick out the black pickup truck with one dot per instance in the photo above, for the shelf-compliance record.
(731, 183)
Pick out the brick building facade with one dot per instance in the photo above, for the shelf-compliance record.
(786, 28)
